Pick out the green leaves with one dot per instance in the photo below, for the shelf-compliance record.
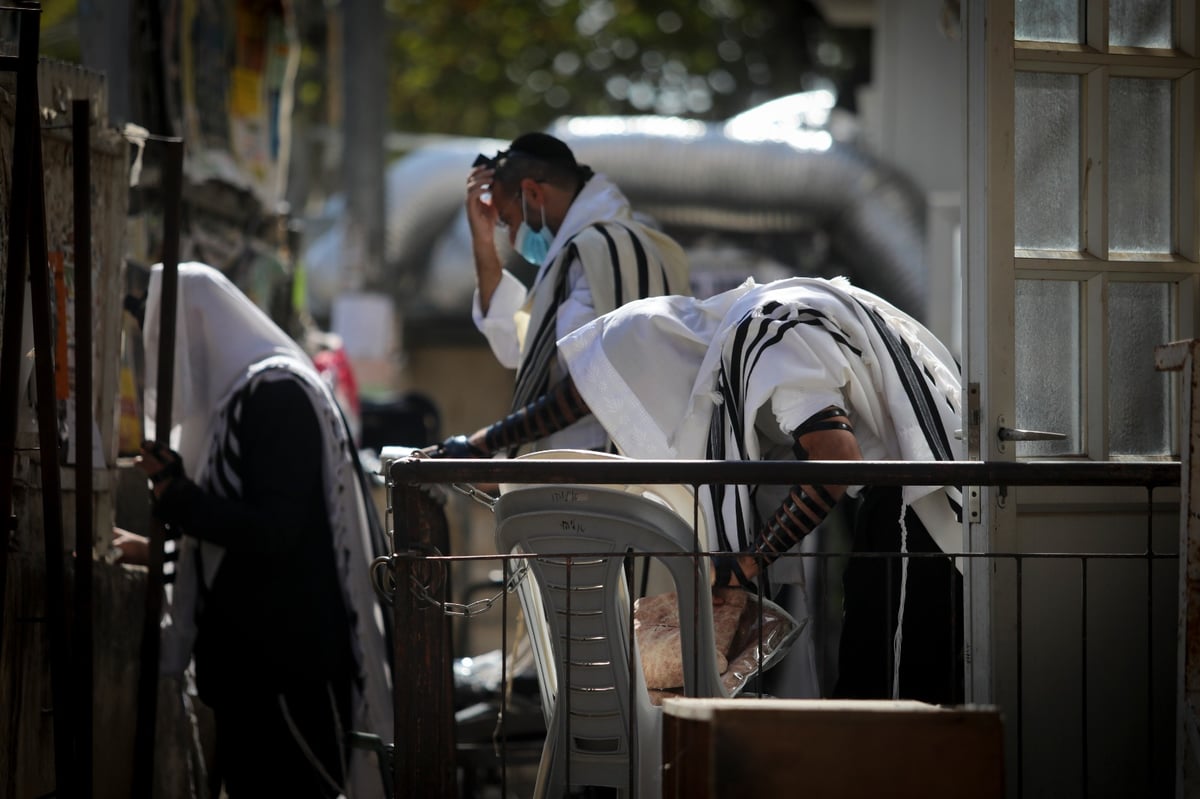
(499, 67)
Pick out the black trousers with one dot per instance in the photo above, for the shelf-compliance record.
(258, 754)
(931, 661)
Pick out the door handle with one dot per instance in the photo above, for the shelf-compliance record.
(1017, 434)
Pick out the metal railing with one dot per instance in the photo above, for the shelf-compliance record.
(425, 752)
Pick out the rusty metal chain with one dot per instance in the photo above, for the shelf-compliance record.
(482, 497)
(469, 609)
(384, 582)
(385, 586)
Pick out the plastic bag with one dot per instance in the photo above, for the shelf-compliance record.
(779, 630)
(774, 627)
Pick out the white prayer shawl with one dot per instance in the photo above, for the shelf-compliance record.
(679, 378)
(224, 341)
(794, 347)
(832, 348)
(636, 367)
(600, 259)
(599, 200)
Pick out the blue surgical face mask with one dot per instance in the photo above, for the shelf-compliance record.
(532, 244)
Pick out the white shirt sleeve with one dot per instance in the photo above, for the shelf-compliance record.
(499, 327)
(801, 375)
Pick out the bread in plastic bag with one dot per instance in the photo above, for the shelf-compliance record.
(738, 644)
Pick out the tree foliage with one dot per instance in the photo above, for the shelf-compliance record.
(497, 67)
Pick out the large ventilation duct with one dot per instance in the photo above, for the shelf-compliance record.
(691, 177)
(423, 191)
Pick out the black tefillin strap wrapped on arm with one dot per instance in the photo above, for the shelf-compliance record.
(804, 507)
(555, 410)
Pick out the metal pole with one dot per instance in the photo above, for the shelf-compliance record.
(84, 544)
(25, 66)
(143, 775)
(659, 472)
(364, 123)
(48, 446)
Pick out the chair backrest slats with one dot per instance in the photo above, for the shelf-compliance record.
(577, 605)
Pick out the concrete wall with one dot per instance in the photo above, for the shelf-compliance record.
(913, 114)
(914, 107)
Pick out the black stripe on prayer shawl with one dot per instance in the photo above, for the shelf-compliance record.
(730, 418)
(811, 316)
(224, 476)
(789, 319)
(225, 468)
(643, 266)
(759, 330)
(915, 387)
(733, 411)
(642, 259)
(716, 452)
(945, 397)
(781, 330)
(614, 258)
(533, 378)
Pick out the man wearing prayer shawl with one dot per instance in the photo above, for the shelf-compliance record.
(799, 368)
(592, 256)
(262, 489)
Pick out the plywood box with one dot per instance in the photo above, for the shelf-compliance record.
(834, 749)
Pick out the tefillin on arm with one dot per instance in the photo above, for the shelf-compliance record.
(804, 507)
(557, 409)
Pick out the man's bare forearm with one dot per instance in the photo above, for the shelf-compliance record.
(488, 272)
(826, 436)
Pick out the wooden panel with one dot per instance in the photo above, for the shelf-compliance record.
(687, 758)
(839, 749)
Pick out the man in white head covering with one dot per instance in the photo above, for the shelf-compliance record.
(262, 487)
(808, 369)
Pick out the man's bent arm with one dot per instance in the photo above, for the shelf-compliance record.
(827, 436)
(556, 410)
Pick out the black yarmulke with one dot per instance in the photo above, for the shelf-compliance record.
(543, 147)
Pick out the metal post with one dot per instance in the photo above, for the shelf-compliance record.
(424, 701)
(1180, 356)
(143, 752)
(364, 97)
(25, 66)
(48, 447)
(81, 152)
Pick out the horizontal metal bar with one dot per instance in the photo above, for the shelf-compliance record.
(664, 472)
(1034, 554)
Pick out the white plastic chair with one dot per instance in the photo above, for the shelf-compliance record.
(578, 614)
